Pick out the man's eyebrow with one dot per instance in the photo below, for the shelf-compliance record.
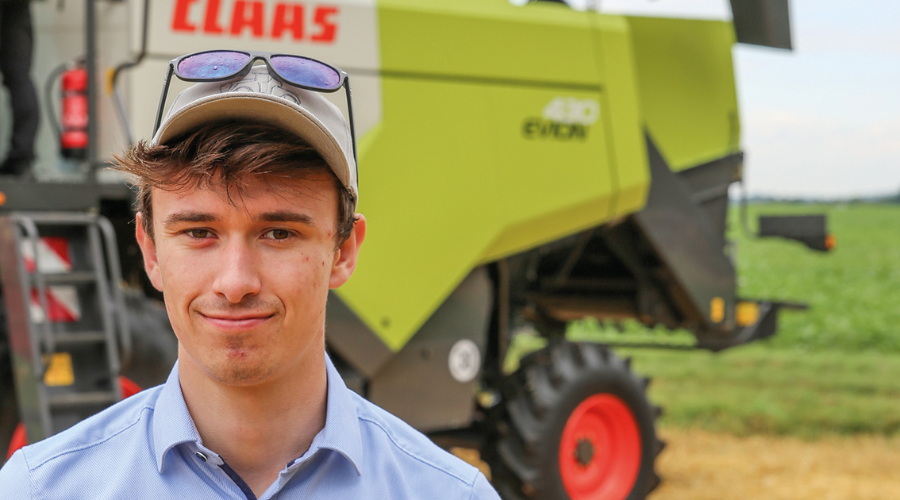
(189, 216)
(286, 216)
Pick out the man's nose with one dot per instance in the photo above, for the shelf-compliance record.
(237, 276)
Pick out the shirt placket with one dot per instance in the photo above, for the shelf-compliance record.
(290, 470)
(215, 467)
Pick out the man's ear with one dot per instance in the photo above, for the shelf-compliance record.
(148, 249)
(345, 256)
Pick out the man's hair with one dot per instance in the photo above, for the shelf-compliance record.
(230, 153)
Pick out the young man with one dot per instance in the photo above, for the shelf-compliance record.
(246, 219)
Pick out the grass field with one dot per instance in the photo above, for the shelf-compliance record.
(853, 292)
(834, 369)
(759, 390)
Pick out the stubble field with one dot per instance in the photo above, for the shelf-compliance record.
(699, 465)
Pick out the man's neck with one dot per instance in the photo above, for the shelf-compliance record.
(258, 429)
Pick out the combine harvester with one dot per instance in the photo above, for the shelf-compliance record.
(520, 165)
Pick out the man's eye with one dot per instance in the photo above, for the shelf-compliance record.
(198, 233)
(278, 234)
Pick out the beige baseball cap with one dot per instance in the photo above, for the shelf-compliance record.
(260, 97)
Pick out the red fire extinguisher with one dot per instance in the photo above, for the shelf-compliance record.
(73, 137)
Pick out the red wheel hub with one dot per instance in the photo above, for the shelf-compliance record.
(600, 451)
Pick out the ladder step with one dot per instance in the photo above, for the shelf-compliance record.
(73, 278)
(88, 337)
(82, 399)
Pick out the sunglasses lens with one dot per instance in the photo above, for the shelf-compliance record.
(306, 72)
(211, 65)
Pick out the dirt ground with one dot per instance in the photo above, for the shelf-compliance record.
(699, 465)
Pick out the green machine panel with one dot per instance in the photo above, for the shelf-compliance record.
(500, 132)
(686, 81)
(453, 181)
(488, 39)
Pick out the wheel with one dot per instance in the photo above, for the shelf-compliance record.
(576, 424)
(154, 345)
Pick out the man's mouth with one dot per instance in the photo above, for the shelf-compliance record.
(235, 322)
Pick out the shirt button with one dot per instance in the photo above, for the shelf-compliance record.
(201, 456)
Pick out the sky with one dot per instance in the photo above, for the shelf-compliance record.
(823, 120)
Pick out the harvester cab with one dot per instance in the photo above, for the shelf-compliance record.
(521, 163)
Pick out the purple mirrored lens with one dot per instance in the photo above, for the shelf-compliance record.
(306, 72)
(211, 65)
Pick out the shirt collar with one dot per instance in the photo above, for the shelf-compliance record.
(341, 432)
(173, 425)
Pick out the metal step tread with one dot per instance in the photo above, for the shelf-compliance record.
(83, 337)
(72, 278)
(83, 399)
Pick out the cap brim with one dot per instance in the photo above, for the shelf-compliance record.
(261, 108)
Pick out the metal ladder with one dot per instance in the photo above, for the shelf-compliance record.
(64, 371)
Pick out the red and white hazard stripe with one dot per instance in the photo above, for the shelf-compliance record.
(53, 257)
(53, 254)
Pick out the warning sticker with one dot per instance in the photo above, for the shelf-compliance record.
(60, 370)
(464, 361)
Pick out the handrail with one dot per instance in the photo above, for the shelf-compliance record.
(114, 78)
(112, 255)
(40, 284)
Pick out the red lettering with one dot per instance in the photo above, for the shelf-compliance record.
(180, 19)
(250, 14)
(328, 27)
(211, 23)
(239, 20)
(281, 23)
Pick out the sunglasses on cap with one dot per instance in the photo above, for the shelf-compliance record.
(220, 65)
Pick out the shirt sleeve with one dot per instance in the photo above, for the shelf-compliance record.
(15, 480)
(482, 489)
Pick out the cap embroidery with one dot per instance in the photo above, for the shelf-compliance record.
(262, 83)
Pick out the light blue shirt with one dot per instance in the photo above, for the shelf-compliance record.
(148, 447)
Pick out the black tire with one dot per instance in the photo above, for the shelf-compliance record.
(154, 345)
(539, 400)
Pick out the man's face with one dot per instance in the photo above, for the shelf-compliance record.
(245, 280)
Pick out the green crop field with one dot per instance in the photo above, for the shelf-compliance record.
(853, 292)
(756, 389)
(833, 369)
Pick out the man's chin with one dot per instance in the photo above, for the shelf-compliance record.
(240, 374)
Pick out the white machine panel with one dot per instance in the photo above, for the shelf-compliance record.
(341, 32)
